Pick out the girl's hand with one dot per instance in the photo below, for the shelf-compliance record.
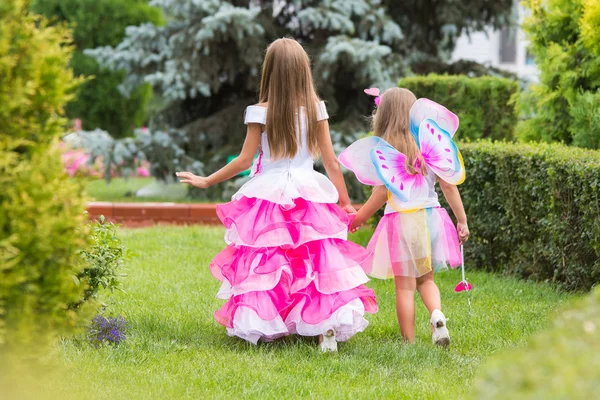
(349, 209)
(194, 180)
(463, 232)
(355, 226)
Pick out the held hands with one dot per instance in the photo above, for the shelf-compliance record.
(351, 210)
(355, 226)
(194, 180)
(463, 232)
(356, 222)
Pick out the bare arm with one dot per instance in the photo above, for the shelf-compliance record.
(332, 165)
(452, 195)
(239, 164)
(375, 202)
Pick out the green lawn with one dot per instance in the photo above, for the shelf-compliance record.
(121, 190)
(176, 349)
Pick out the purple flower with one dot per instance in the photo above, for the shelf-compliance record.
(107, 330)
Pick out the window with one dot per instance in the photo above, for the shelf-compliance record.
(508, 46)
(529, 59)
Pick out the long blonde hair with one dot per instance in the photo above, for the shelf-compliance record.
(391, 123)
(287, 84)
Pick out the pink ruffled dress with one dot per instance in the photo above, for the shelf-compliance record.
(288, 267)
(413, 239)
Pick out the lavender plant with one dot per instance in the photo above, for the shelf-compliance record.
(107, 331)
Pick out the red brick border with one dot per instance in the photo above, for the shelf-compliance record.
(133, 215)
(148, 214)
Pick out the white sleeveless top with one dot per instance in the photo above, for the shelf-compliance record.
(283, 180)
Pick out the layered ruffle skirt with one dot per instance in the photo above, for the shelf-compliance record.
(413, 244)
(288, 268)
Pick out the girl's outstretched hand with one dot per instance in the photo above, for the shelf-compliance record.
(194, 180)
(463, 232)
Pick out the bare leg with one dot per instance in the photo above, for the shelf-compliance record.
(430, 294)
(405, 306)
(431, 298)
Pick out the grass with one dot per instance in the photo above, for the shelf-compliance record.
(176, 349)
(121, 190)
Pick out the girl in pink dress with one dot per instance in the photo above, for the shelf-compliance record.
(288, 267)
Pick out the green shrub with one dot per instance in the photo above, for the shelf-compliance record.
(104, 262)
(42, 225)
(42, 229)
(586, 120)
(562, 363)
(485, 105)
(534, 211)
(563, 37)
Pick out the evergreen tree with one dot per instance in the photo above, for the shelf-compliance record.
(206, 60)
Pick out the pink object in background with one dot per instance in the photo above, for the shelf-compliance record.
(143, 172)
(77, 124)
(74, 160)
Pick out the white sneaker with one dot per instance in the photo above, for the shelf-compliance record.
(328, 343)
(440, 336)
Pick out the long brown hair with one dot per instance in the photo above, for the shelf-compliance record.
(391, 123)
(287, 84)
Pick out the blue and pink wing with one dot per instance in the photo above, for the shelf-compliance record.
(390, 166)
(427, 109)
(440, 153)
(357, 158)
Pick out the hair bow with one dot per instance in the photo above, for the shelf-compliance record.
(374, 92)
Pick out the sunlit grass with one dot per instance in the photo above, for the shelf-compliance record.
(176, 349)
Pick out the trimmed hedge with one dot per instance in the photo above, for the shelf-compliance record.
(534, 211)
(485, 105)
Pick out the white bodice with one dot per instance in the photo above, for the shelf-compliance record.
(283, 180)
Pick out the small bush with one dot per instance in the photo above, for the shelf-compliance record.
(562, 363)
(104, 261)
(485, 105)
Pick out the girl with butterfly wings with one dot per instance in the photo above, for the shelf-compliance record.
(409, 152)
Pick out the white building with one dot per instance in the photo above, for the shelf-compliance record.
(505, 49)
